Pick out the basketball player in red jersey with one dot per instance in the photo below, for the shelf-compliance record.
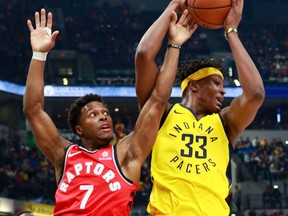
(190, 160)
(97, 178)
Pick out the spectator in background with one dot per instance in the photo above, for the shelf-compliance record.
(237, 197)
(264, 213)
(252, 212)
(119, 128)
(255, 142)
(276, 197)
(267, 196)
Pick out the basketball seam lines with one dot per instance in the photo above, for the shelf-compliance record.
(209, 8)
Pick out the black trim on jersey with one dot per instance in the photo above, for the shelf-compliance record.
(118, 165)
(64, 162)
(191, 110)
(231, 151)
(88, 151)
(229, 169)
(165, 116)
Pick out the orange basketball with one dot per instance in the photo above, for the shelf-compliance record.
(210, 14)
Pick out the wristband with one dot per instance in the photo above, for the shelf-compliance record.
(174, 46)
(41, 56)
(229, 30)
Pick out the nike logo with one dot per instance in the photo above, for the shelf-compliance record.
(178, 112)
(73, 154)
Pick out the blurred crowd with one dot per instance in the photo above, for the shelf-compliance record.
(265, 160)
(280, 212)
(25, 174)
(108, 36)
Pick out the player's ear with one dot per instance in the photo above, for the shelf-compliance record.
(78, 130)
(192, 84)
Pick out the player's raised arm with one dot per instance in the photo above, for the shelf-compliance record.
(44, 130)
(147, 50)
(247, 104)
(147, 125)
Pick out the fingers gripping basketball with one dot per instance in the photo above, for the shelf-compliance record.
(210, 14)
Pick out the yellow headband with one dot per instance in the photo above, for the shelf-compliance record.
(200, 74)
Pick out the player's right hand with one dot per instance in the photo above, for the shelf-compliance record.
(41, 38)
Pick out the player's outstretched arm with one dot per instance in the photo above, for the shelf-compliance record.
(247, 104)
(147, 49)
(44, 130)
(147, 125)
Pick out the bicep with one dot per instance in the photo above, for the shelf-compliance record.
(146, 129)
(239, 115)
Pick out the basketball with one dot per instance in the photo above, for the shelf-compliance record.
(210, 14)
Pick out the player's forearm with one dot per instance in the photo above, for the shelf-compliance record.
(249, 77)
(151, 42)
(149, 46)
(167, 74)
(34, 92)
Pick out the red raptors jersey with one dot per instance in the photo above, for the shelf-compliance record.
(93, 184)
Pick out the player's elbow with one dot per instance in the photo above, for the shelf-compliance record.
(261, 93)
(143, 53)
(29, 111)
(258, 95)
(159, 97)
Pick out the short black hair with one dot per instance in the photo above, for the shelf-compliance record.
(193, 65)
(74, 112)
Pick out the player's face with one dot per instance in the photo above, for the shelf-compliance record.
(95, 123)
(212, 93)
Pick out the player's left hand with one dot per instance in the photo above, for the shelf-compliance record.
(181, 31)
(235, 14)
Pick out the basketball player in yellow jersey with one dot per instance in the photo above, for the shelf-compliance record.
(191, 156)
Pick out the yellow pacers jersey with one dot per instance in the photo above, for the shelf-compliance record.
(190, 166)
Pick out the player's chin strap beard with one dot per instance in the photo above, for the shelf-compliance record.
(200, 74)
